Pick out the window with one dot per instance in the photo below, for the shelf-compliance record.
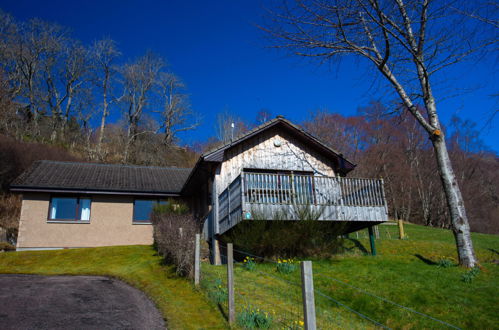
(142, 209)
(70, 208)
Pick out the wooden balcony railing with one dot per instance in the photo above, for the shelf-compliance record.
(342, 199)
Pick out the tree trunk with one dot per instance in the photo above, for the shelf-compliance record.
(455, 203)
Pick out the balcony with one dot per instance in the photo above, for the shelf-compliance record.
(267, 196)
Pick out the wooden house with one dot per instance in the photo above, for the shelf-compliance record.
(279, 171)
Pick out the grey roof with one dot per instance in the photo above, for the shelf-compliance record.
(101, 178)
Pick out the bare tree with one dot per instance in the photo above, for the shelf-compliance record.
(176, 115)
(408, 42)
(35, 42)
(262, 116)
(104, 54)
(139, 79)
(229, 126)
(66, 74)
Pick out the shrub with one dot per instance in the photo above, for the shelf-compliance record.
(217, 291)
(470, 275)
(4, 246)
(251, 318)
(445, 263)
(295, 325)
(286, 266)
(249, 263)
(286, 238)
(174, 235)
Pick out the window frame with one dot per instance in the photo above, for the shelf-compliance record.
(77, 207)
(148, 221)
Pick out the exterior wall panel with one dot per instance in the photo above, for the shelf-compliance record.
(110, 224)
(261, 152)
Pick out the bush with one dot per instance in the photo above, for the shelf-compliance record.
(286, 266)
(217, 291)
(251, 318)
(445, 263)
(4, 246)
(470, 275)
(174, 236)
(249, 263)
(284, 238)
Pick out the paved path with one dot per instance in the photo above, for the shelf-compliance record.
(74, 302)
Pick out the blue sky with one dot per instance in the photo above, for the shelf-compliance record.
(216, 49)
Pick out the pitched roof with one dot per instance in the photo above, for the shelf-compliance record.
(101, 178)
(217, 153)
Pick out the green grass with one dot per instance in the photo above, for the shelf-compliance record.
(181, 305)
(405, 271)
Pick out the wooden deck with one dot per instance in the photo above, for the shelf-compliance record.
(266, 196)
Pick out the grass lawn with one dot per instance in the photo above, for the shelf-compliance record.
(405, 271)
(181, 305)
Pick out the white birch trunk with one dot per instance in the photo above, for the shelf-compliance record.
(455, 202)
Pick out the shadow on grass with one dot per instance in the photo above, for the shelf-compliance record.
(222, 311)
(493, 250)
(425, 260)
(358, 245)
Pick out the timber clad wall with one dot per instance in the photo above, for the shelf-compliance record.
(260, 152)
(110, 224)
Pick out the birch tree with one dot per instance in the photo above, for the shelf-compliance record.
(176, 114)
(104, 53)
(65, 75)
(139, 79)
(408, 43)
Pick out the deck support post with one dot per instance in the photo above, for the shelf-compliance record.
(230, 284)
(371, 240)
(215, 250)
(401, 229)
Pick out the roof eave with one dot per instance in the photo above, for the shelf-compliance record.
(22, 189)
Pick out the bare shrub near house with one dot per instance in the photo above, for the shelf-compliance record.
(281, 237)
(174, 233)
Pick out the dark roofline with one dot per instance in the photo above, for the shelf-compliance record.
(92, 191)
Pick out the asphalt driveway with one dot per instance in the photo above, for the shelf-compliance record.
(74, 302)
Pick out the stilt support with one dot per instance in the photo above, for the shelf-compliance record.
(372, 240)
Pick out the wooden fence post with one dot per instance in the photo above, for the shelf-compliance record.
(307, 281)
(197, 265)
(230, 283)
(401, 229)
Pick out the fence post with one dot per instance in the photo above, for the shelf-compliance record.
(307, 281)
(401, 229)
(371, 240)
(197, 260)
(230, 283)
